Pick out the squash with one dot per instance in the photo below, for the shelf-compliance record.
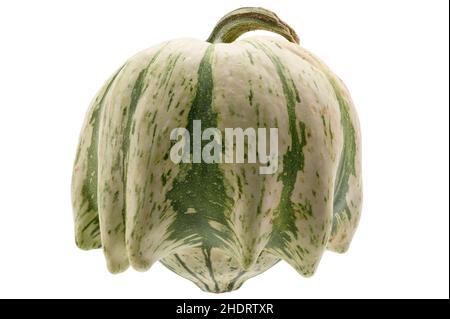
(218, 224)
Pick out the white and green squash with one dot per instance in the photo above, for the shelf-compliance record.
(219, 224)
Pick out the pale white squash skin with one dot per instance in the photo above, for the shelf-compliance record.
(134, 213)
(340, 241)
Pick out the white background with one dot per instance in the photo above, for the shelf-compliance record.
(393, 55)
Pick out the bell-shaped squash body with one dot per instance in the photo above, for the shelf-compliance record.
(218, 224)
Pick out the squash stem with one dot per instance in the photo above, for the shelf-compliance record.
(246, 19)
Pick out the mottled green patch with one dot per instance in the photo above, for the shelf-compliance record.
(347, 161)
(201, 186)
(293, 160)
(89, 188)
(137, 91)
(167, 74)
